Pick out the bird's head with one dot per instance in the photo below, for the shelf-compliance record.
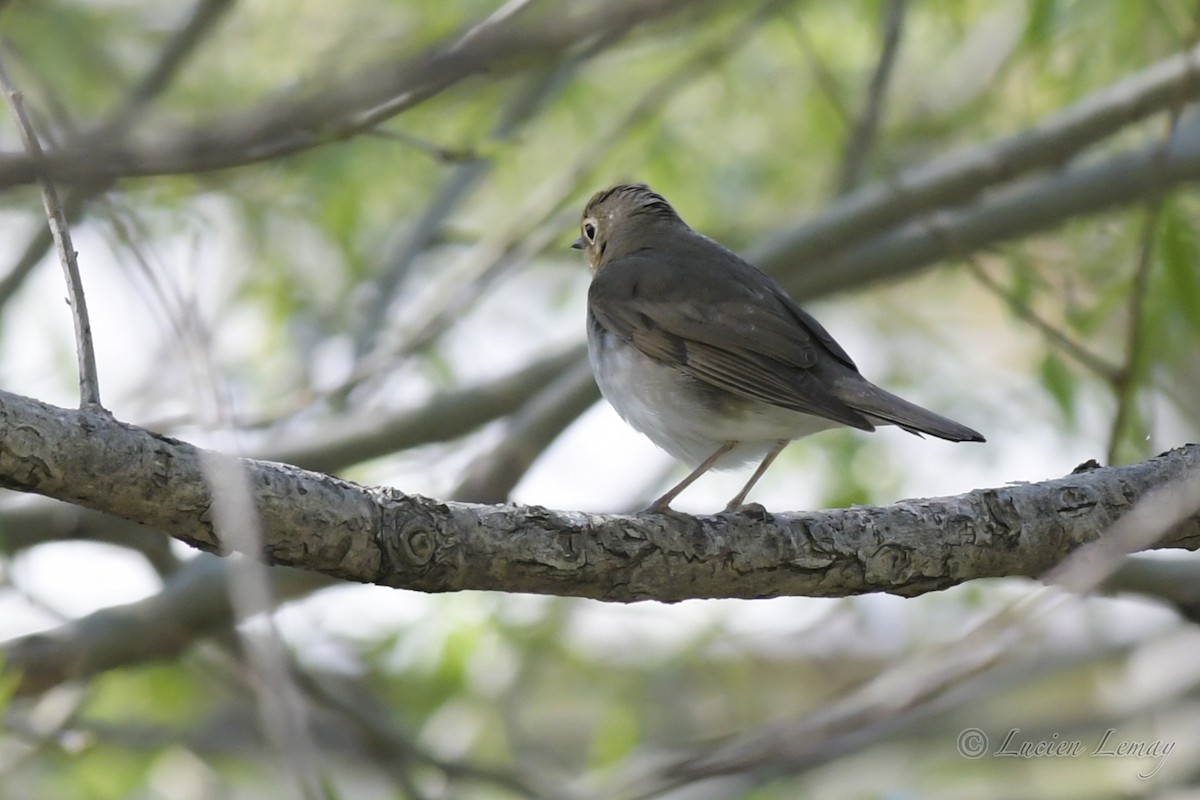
(620, 220)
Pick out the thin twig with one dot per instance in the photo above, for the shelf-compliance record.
(938, 230)
(389, 745)
(1125, 381)
(174, 53)
(442, 153)
(529, 97)
(955, 178)
(1056, 337)
(854, 159)
(337, 112)
(178, 48)
(512, 245)
(921, 683)
(89, 382)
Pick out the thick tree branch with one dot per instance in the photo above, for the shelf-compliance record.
(380, 535)
(338, 442)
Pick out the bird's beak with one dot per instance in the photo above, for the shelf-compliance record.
(577, 244)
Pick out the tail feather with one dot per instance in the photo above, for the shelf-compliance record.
(881, 406)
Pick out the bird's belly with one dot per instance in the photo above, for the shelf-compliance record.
(683, 415)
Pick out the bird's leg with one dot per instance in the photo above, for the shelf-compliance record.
(736, 502)
(662, 503)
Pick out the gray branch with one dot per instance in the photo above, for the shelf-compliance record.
(359, 102)
(1009, 213)
(381, 535)
(955, 179)
(338, 442)
(193, 603)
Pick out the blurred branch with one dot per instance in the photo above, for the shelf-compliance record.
(854, 158)
(525, 103)
(346, 440)
(60, 231)
(390, 747)
(174, 53)
(1053, 335)
(1015, 211)
(344, 109)
(957, 178)
(192, 604)
(283, 713)
(177, 49)
(915, 685)
(529, 432)
(1125, 380)
(27, 524)
(380, 535)
(1174, 581)
(537, 222)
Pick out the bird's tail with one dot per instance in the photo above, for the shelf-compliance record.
(881, 406)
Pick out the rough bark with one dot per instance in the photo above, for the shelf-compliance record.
(381, 535)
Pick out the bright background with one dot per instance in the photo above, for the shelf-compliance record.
(262, 307)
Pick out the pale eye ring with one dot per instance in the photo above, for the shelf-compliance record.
(589, 231)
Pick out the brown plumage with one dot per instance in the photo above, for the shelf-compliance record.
(707, 354)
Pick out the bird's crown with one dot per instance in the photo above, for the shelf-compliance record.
(628, 200)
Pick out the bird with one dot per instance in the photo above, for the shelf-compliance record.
(707, 355)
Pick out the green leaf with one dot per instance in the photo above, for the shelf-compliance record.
(1061, 384)
(1179, 254)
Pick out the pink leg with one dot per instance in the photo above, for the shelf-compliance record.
(736, 502)
(662, 503)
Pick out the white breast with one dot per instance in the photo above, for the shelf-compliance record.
(664, 404)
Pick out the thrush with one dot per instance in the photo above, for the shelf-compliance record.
(707, 355)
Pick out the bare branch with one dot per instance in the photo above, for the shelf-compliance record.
(1052, 334)
(530, 431)
(957, 178)
(915, 685)
(89, 382)
(177, 49)
(192, 604)
(537, 221)
(1173, 581)
(859, 143)
(1125, 380)
(383, 536)
(345, 440)
(334, 113)
(530, 97)
(1020, 210)
(854, 159)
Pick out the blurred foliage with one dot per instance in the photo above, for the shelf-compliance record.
(260, 281)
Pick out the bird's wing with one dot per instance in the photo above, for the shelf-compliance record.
(725, 323)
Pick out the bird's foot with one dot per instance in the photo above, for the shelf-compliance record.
(754, 511)
(659, 507)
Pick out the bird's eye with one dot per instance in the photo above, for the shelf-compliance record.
(589, 231)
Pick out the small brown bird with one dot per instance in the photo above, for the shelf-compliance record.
(707, 355)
